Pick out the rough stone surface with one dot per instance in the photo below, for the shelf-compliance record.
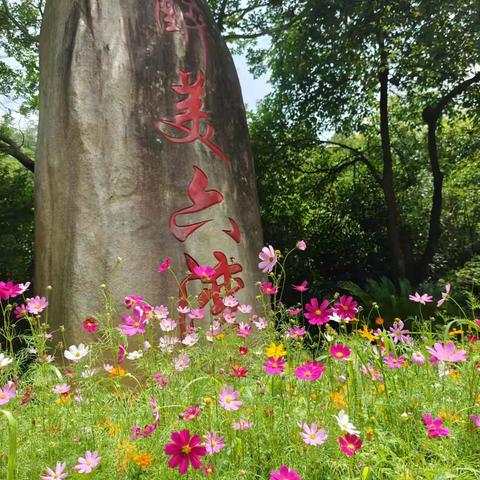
(107, 178)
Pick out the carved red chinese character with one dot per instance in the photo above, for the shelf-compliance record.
(201, 199)
(222, 279)
(165, 15)
(234, 232)
(191, 122)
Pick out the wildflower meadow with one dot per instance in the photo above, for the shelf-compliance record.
(320, 389)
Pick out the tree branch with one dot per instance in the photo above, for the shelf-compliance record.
(22, 28)
(260, 33)
(221, 15)
(10, 147)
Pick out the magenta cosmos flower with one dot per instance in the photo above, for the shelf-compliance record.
(164, 266)
(58, 474)
(87, 464)
(204, 272)
(340, 351)
(434, 426)
(214, 443)
(447, 352)
(284, 473)
(317, 314)
(311, 435)
(185, 451)
(274, 367)
(423, 299)
(296, 332)
(36, 305)
(228, 399)
(268, 259)
(303, 287)
(7, 393)
(90, 324)
(346, 307)
(475, 420)
(393, 362)
(350, 444)
(242, 424)
(269, 288)
(310, 371)
(10, 290)
(132, 326)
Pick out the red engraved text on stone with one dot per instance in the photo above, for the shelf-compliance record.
(191, 121)
(234, 232)
(165, 15)
(201, 199)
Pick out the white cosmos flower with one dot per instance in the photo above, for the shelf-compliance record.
(191, 339)
(135, 355)
(75, 354)
(345, 424)
(4, 361)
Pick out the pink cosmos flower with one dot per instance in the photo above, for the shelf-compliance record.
(284, 473)
(161, 380)
(132, 326)
(239, 372)
(214, 443)
(58, 474)
(296, 332)
(90, 324)
(346, 308)
(243, 350)
(242, 424)
(423, 299)
(340, 351)
(317, 314)
(434, 426)
(369, 371)
(311, 435)
(269, 288)
(444, 295)
(161, 311)
(393, 362)
(303, 287)
(399, 334)
(183, 309)
(350, 444)
(122, 350)
(245, 308)
(274, 367)
(230, 301)
(477, 321)
(148, 429)
(310, 371)
(259, 322)
(475, 420)
(196, 313)
(7, 392)
(204, 272)
(131, 300)
(191, 412)
(62, 389)
(301, 245)
(228, 399)
(181, 362)
(268, 259)
(191, 339)
(447, 353)
(418, 359)
(87, 464)
(294, 311)
(164, 266)
(21, 311)
(185, 450)
(244, 330)
(36, 305)
(10, 290)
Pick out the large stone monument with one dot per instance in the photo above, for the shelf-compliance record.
(143, 153)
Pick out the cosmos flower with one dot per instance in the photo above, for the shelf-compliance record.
(434, 426)
(284, 473)
(75, 354)
(269, 288)
(228, 399)
(447, 352)
(164, 265)
(36, 305)
(214, 443)
(58, 474)
(393, 362)
(303, 287)
(7, 392)
(268, 259)
(132, 326)
(296, 332)
(311, 435)
(350, 444)
(90, 324)
(4, 360)
(340, 351)
(310, 371)
(185, 450)
(89, 463)
(168, 324)
(301, 245)
(204, 272)
(346, 307)
(242, 424)
(444, 295)
(344, 423)
(274, 366)
(423, 299)
(317, 314)
(181, 362)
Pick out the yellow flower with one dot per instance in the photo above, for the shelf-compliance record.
(338, 400)
(455, 331)
(275, 351)
(366, 333)
(117, 372)
(220, 336)
(143, 460)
